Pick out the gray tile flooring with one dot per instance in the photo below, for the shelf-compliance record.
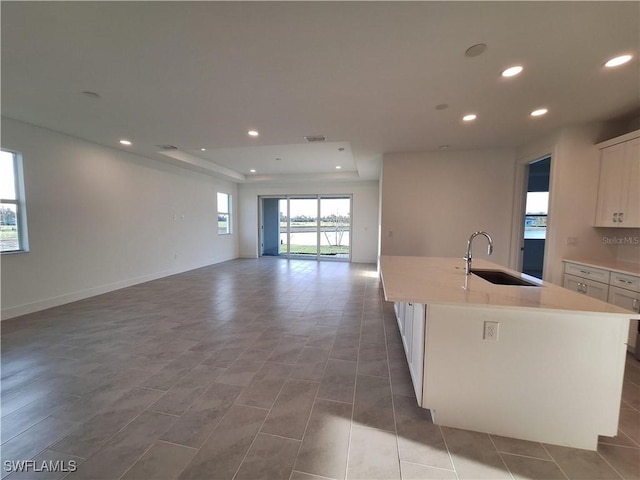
(251, 369)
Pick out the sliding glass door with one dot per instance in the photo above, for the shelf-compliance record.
(316, 227)
(303, 227)
(335, 227)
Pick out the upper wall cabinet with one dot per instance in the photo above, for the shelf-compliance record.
(619, 188)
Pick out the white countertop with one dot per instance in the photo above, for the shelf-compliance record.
(628, 268)
(437, 280)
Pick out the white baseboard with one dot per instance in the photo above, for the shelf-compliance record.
(27, 308)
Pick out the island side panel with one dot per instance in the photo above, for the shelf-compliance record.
(551, 376)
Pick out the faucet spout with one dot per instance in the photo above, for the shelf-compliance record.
(467, 258)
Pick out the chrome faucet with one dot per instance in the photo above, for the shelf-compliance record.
(467, 257)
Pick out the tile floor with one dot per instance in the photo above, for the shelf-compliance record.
(246, 370)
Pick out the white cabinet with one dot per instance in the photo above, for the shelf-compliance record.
(416, 359)
(590, 281)
(624, 291)
(621, 289)
(408, 329)
(619, 187)
(399, 308)
(411, 322)
(587, 287)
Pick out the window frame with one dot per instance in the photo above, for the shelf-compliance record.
(227, 213)
(19, 202)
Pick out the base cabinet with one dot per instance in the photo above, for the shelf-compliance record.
(587, 287)
(411, 323)
(536, 381)
(620, 289)
(631, 301)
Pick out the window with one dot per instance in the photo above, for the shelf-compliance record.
(535, 221)
(13, 227)
(224, 214)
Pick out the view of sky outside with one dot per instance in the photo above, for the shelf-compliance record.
(535, 223)
(334, 206)
(309, 207)
(7, 182)
(301, 206)
(537, 203)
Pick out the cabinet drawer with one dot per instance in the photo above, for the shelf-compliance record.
(628, 282)
(586, 287)
(624, 298)
(592, 273)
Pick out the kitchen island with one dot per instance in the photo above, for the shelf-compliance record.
(538, 363)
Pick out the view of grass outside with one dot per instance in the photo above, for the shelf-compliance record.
(334, 227)
(9, 200)
(8, 238)
(334, 237)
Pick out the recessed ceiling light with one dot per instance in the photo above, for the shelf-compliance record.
(617, 61)
(125, 142)
(338, 167)
(470, 117)
(443, 147)
(341, 149)
(252, 170)
(253, 133)
(539, 112)
(442, 106)
(512, 71)
(89, 94)
(203, 149)
(475, 50)
(278, 159)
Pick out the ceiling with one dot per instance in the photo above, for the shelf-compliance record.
(366, 75)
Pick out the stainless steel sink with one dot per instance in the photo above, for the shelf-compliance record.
(498, 277)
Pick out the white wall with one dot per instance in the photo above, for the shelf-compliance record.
(364, 237)
(101, 219)
(433, 201)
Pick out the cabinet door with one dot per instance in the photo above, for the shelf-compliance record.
(631, 301)
(400, 308)
(586, 287)
(416, 365)
(408, 330)
(613, 163)
(631, 217)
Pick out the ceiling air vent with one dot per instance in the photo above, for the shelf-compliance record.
(167, 147)
(315, 138)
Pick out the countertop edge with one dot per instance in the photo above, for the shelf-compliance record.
(400, 277)
(627, 268)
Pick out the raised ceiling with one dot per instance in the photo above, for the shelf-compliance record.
(367, 75)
